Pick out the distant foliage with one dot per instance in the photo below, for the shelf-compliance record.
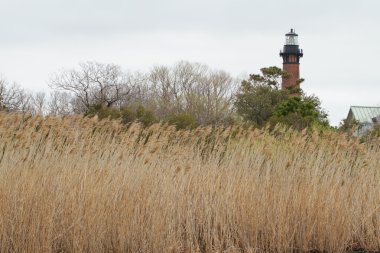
(126, 114)
(348, 125)
(258, 96)
(256, 103)
(145, 116)
(300, 112)
(183, 121)
(164, 92)
(102, 112)
(261, 102)
(185, 94)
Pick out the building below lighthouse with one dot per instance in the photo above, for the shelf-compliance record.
(291, 55)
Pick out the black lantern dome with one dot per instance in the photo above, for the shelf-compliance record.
(291, 52)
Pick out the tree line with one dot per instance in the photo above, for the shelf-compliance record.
(185, 94)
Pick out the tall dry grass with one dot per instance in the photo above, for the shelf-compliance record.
(77, 185)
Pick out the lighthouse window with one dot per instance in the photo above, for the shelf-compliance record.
(291, 40)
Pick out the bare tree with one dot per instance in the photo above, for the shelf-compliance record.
(162, 84)
(93, 83)
(8, 94)
(141, 92)
(193, 89)
(13, 98)
(39, 103)
(3, 94)
(24, 102)
(60, 103)
(174, 85)
(217, 94)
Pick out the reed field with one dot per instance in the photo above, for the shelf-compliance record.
(77, 184)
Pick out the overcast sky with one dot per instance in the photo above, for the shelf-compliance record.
(340, 39)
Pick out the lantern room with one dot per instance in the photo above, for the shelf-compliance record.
(291, 38)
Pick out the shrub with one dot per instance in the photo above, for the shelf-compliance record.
(103, 112)
(145, 116)
(127, 115)
(183, 121)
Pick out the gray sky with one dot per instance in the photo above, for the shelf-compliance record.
(340, 39)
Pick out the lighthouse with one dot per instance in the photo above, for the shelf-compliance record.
(291, 55)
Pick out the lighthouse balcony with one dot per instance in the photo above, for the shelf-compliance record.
(291, 51)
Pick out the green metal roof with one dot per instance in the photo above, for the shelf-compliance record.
(364, 114)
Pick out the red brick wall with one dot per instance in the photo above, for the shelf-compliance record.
(294, 75)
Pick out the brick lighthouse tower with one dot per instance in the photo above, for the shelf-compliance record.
(291, 55)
